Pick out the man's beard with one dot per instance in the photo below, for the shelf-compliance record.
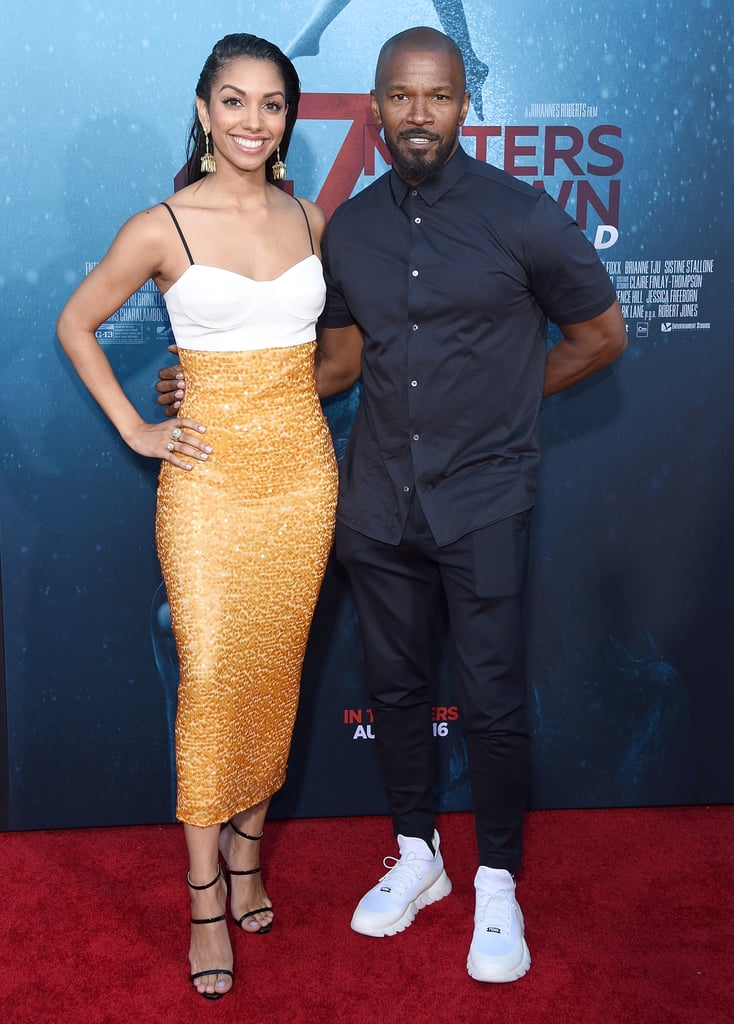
(417, 166)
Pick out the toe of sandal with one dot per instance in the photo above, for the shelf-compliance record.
(263, 929)
(205, 974)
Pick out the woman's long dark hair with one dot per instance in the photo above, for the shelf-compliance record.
(228, 49)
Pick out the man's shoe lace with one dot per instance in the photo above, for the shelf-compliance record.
(495, 911)
(402, 874)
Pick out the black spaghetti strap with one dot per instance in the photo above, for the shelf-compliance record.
(310, 236)
(181, 234)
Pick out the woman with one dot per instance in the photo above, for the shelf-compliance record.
(247, 489)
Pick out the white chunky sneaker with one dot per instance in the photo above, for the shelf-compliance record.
(498, 950)
(413, 882)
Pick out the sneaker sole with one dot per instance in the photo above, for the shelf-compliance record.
(440, 888)
(497, 975)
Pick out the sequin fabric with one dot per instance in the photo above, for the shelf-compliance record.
(243, 541)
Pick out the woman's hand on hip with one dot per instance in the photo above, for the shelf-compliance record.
(178, 443)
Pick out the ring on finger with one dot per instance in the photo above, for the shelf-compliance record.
(171, 446)
(176, 433)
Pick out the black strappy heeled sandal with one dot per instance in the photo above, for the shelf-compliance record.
(209, 920)
(263, 929)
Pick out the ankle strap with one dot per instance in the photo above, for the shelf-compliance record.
(208, 884)
(244, 834)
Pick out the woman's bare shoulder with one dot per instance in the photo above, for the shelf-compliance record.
(141, 235)
(151, 223)
(147, 239)
(315, 213)
(316, 217)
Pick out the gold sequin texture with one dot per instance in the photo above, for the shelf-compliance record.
(243, 541)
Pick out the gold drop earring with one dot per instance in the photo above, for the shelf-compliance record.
(208, 163)
(278, 167)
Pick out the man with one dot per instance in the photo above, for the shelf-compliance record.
(441, 278)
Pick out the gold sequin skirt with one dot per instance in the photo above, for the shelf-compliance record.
(243, 541)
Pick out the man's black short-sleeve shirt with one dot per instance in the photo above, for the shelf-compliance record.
(452, 283)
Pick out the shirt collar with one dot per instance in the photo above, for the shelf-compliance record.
(437, 186)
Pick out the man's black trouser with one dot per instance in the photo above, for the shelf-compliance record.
(483, 576)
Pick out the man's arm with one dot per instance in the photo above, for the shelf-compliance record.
(585, 348)
(338, 359)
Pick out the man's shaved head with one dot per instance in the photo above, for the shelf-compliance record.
(417, 40)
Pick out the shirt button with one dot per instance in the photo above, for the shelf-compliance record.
(414, 191)
(416, 437)
(417, 220)
(415, 273)
(414, 383)
(406, 489)
(414, 327)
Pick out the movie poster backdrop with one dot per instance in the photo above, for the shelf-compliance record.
(623, 113)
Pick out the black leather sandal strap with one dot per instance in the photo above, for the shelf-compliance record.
(208, 884)
(214, 970)
(207, 920)
(249, 871)
(244, 834)
(251, 913)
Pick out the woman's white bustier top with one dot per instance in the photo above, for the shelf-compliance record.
(215, 310)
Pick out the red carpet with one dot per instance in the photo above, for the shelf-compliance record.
(629, 919)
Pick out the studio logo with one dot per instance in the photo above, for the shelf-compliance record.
(666, 327)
